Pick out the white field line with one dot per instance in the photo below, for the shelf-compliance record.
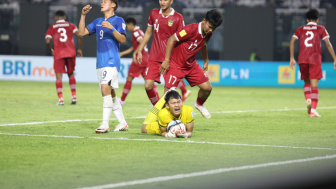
(209, 172)
(142, 117)
(166, 140)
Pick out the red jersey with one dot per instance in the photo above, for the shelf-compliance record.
(164, 26)
(310, 36)
(62, 34)
(136, 36)
(190, 42)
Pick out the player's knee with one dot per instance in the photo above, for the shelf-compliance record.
(148, 86)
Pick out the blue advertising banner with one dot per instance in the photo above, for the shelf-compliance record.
(263, 74)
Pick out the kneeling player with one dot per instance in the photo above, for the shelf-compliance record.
(167, 109)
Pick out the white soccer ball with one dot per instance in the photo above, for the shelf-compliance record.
(176, 126)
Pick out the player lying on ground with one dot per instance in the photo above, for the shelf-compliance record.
(167, 109)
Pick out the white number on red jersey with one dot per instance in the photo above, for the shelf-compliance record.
(170, 79)
(63, 34)
(156, 26)
(310, 35)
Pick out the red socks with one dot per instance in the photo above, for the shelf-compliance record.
(200, 101)
(307, 90)
(314, 97)
(59, 87)
(72, 83)
(126, 90)
(152, 95)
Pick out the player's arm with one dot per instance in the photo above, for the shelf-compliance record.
(188, 134)
(137, 55)
(83, 31)
(169, 48)
(80, 42)
(48, 42)
(292, 62)
(204, 53)
(126, 51)
(331, 50)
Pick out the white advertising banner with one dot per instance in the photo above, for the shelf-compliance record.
(40, 68)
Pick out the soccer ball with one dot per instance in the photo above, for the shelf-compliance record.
(176, 126)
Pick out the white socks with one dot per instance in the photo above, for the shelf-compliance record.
(117, 110)
(107, 109)
(110, 104)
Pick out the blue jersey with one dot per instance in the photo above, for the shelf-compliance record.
(107, 46)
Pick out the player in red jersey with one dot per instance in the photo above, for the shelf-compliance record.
(64, 52)
(180, 62)
(162, 23)
(310, 57)
(136, 69)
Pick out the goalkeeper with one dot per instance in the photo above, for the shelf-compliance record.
(167, 109)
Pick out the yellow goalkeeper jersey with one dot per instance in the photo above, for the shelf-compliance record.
(186, 116)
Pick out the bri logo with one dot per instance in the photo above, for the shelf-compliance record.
(21, 68)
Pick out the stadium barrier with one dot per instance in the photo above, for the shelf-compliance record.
(221, 73)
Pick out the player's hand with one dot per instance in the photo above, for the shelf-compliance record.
(138, 57)
(86, 9)
(334, 64)
(205, 66)
(292, 64)
(164, 67)
(52, 52)
(107, 25)
(182, 135)
(79, 53)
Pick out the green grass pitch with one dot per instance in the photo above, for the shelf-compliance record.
(256, 137)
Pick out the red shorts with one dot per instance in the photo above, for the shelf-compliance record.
(152, 71)
(135, 70)
(61, 63)
(310, 71)
(194, 75)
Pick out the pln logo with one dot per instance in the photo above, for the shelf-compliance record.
(286, 75)
(213, 72)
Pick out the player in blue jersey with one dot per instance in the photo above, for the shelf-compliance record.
(110, 33)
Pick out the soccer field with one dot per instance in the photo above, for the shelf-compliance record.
(256, 138)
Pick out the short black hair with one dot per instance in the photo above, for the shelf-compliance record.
(312, 14)
(130, 20)
(117, 3)
(214, 17)
(172, 95)
(60, 13)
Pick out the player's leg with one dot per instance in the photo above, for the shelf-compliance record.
(71, 63)
(127, 88)
(59, 88)
(152, 75)
(196, 76)
(107, 99)
(184, 90)
(314, 97)
(203, 94)
(307, 94)
(59, 68)
(304, 70)
(116, 106)
(315, 74)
